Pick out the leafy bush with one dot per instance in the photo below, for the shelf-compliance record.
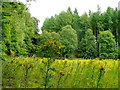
(49, 45)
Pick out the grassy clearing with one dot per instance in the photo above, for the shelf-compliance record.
(33, 72)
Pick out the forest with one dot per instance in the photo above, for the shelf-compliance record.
(69, 47)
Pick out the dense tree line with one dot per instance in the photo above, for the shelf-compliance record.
(64, 35)
(96, 31)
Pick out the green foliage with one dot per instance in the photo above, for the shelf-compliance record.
(49, 45)
(119, 33)
(55, 24)
(80, 24)
(18, 29)
(50, 48)
(87, 46)
(96, 21)
(83, 24)
(69, 40)
(50, 24)
(64, 18)
(108, 48)
(108, 22)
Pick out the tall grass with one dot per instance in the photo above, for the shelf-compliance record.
(31, 72)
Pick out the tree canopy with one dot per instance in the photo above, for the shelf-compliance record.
(85, 36)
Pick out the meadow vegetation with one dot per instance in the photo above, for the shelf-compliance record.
(22, 72)
(73, 51)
